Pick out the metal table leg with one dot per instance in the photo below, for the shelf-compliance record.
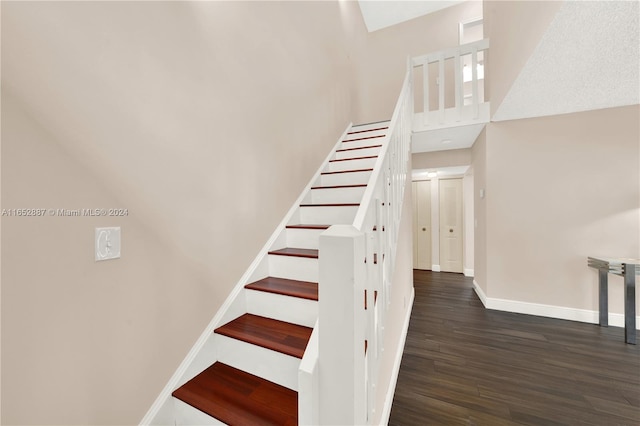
(629, 303)
(603, 284)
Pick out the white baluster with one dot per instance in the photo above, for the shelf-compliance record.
(474, 81)
(441, 87)
(459, 81)
(425, 100)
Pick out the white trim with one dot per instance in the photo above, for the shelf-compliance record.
(468, 272)
(206, 334)
(558, 312)
(435, 268)
(480, 293)
(463, 49)
(617, 320)
(549, 311)
(391, 390)
(469, 22)
(451, 118)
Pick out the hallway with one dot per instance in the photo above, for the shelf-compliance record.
(464, 364)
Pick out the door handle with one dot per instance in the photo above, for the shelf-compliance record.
(450, 230)
(424, 229)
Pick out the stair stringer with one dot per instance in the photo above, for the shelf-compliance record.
(204, 352)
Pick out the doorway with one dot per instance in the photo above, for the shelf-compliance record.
(440, 235)
(451, 225)
(422, 224)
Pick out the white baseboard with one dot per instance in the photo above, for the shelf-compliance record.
(391, 390)
(435, 268)
(549, 311)
(468, 272)
(480, 293)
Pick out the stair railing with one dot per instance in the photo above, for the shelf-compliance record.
(468, 74)
(355, 279)
(204, 352)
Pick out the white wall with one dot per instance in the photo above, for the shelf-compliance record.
(205, 120)
(560, 189)
(435, 224)
(515, 29)
(468, 218)
(438, 159)
(479, 167)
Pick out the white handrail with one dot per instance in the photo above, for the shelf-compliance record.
(355, 277)
(463, 49)
(367, 198)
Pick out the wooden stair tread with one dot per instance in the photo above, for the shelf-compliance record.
(236, 397)
(360, 147)
(368, 157)
(284, 337)
(331, 205)
(296, 252)
(286, 287)
(369, 130)
(378, 123)
(363, 138)
(347, 171)
(360, 185)
(308, 226)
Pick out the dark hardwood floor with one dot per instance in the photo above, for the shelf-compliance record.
(464, 364)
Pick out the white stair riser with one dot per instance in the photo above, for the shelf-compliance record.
(330, 215)
(205, 358)
(270, 365)
(293, 268)
(284, 308)
(338, 166)
(186, 415)
(337, 195)
(304, 238)
(354, 178)
(359, 142)
(364, 152)
(370, 126)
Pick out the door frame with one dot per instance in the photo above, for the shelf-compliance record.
(468, 219)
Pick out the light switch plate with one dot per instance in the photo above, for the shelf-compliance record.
(107, 243)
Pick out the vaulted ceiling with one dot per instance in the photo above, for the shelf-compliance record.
(589, 58)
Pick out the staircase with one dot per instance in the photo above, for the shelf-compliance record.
(247, 371)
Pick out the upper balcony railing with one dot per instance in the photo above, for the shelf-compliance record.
(468, 105)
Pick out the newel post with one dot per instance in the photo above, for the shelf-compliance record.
(341, 326)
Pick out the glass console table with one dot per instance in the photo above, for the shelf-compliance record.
(627, 268)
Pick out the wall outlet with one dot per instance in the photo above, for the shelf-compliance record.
(107, 243)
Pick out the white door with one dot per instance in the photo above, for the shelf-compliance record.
(451, 225)
(422, 224)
